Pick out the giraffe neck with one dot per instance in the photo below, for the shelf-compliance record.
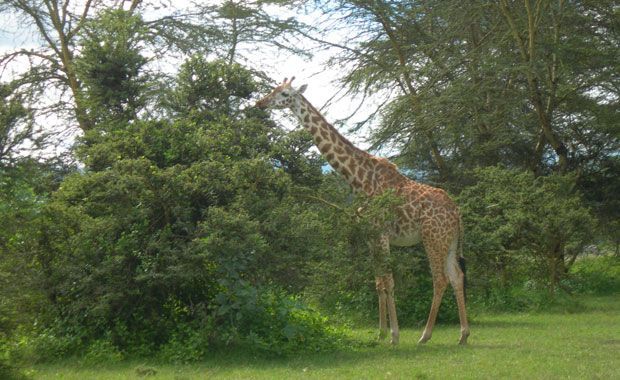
(355, 165)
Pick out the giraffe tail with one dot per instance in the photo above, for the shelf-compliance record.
(461, 259)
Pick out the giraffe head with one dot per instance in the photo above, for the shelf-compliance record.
(283, 96)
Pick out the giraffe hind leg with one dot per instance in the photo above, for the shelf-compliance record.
(437, 255)
(455, 270)
(439, 287)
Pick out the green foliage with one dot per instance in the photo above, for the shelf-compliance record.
(102, 351)
(596, 275)
(10, 372)
(600, 186)
(44, 345)
(9, 369)
(110, 66)
(207, 89)
(167, 231)
(270, 322)
(351, 293)
(189, 342)
(522, 231)
(193, 224)
(16, 127)
(24, 190)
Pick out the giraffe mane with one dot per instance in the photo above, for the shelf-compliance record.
(386, 162)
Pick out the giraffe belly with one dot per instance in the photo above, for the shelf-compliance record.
(405, 240)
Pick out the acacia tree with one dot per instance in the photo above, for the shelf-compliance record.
(245, 25)
(16, 126)
(567, 60)
(59, 26)
(476, 83)
(531, 86)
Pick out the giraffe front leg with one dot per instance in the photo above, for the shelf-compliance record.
(382, 295)
(391, 306)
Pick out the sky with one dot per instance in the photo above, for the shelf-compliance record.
(321, 79)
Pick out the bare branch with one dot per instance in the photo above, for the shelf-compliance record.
(73, 32)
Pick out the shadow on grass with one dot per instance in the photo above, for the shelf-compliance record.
(582, 304)
(242, 364)
(353, 358)
(505, 324)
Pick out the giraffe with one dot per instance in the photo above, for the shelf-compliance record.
(427, 214)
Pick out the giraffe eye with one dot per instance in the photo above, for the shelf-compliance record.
(285, 94)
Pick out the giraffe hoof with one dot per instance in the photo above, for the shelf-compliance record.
(463, 340)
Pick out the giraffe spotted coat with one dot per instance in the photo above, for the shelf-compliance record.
(427, 214)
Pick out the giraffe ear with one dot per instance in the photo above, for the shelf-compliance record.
(302, 88)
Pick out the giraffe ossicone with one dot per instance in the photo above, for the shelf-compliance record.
(426, 214)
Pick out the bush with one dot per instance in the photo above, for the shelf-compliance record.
(102, 351)
(270, 322)
(190, 217)
(46, 345)
(10, 372)
(188, 343)
(8, 369)
(343, 277)
(522, 233)
(596, 275)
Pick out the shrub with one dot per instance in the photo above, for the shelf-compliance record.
(350, 293)
(596, 275)
(102, 351)
(270, 322)
(8, 369)
(10, 372)
(46, 345)
(521, 228)
(188, 343)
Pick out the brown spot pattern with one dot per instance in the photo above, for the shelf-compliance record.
(427, 212)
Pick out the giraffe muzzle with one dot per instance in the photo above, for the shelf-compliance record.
(262, 103)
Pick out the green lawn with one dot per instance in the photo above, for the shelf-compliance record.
(579, 345)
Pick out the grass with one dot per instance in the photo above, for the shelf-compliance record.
(582, 344)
